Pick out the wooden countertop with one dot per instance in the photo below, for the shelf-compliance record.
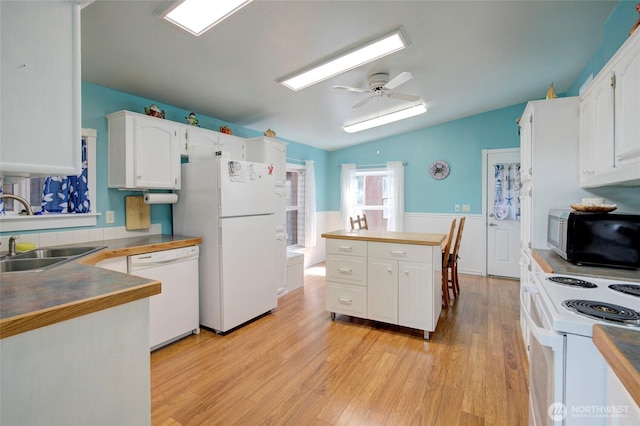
(550, 262)
(416, 238)
(30, 300)
(621, 349)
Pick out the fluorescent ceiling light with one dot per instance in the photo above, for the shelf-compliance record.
(198, 16)
(346, 60)
(386, 119)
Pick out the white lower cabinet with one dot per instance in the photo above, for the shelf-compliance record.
(627, 412)
(388, 282)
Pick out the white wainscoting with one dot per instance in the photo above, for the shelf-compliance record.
(472, 249)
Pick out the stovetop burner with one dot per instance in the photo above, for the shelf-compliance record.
(572, 282)
(632, 289)
(604, 311)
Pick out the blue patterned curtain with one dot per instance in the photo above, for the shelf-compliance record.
(506, 205)
(2, 212)
(68, 194)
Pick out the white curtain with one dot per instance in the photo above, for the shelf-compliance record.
(310, 205)
(395, 172)
(347, 187)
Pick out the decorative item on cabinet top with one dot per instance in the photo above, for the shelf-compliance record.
(192, 120)
(154, 111)
(637, 24)
(225, 129)
(551, 93)
(269, 133)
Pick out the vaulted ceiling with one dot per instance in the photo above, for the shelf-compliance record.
(467, 57)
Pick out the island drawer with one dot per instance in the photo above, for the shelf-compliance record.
(349, 269)
(347, 247)
(346, 299)
(408, 252)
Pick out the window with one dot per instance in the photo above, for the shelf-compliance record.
(294, 193)
(31, 189)
(371, 197)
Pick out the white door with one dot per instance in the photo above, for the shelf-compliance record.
(503, 234)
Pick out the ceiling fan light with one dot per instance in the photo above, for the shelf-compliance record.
(345, 61)
(386, 119)
(198, 16)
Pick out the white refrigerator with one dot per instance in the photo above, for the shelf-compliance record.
(230, 204)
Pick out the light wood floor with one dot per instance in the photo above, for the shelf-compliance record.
(297, 367)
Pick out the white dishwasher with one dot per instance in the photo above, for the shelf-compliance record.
(174, 313)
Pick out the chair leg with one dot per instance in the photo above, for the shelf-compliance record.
(456, 280)
(445, 287)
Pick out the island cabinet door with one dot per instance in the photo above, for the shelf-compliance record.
(382, 290)
(415, 295)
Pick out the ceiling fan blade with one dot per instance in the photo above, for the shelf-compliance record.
(363, 102)
(351, 89)
(403, 96)
(401, 78)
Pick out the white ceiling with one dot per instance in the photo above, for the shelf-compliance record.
(467, 57)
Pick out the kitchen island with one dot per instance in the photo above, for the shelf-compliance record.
(75, 340)
(392, 277)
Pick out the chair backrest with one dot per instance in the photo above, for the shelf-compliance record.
(360, 221)
(456, 246)
(447, 244)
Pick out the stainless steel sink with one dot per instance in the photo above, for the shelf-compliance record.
(56, 252)
(23, 265)
(43, 258)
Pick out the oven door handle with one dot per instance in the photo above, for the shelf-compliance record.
(545, 337)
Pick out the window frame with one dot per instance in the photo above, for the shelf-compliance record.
(291, 167)
(12, 221)
(359, 209)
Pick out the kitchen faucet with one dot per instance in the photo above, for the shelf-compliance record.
(12, 245)
(24, 202)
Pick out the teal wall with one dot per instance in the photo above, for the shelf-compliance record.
(98, 101)
(615, 32)
(459, 143)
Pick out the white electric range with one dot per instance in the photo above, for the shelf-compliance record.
(567, 372)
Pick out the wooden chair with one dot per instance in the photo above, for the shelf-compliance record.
(453, 262)
(360, 221)
(445, 265)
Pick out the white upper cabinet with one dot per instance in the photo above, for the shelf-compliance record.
(40, 73)
(610, 121)
(201, 144)
(144, 152)
(271, 151)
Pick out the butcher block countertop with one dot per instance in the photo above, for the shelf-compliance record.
(30, 300)
(621, 349)
(416, 238)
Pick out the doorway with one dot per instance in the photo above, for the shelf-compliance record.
(501, 211)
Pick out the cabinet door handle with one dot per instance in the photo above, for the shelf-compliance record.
(345, 271)
(389, 270)
(398, 252)
(345, 248)
(406, 272)
(345, 301)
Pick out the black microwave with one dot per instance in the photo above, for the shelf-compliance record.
(603, 239)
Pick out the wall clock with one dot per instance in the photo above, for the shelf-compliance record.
(439, 169)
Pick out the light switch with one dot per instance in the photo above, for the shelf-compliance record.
(110, 216)
(466, 208)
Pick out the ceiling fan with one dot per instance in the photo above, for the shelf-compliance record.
(380, 85)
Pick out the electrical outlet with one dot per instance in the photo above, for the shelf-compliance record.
(110, 217)
(456, 207)
(466, 208)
